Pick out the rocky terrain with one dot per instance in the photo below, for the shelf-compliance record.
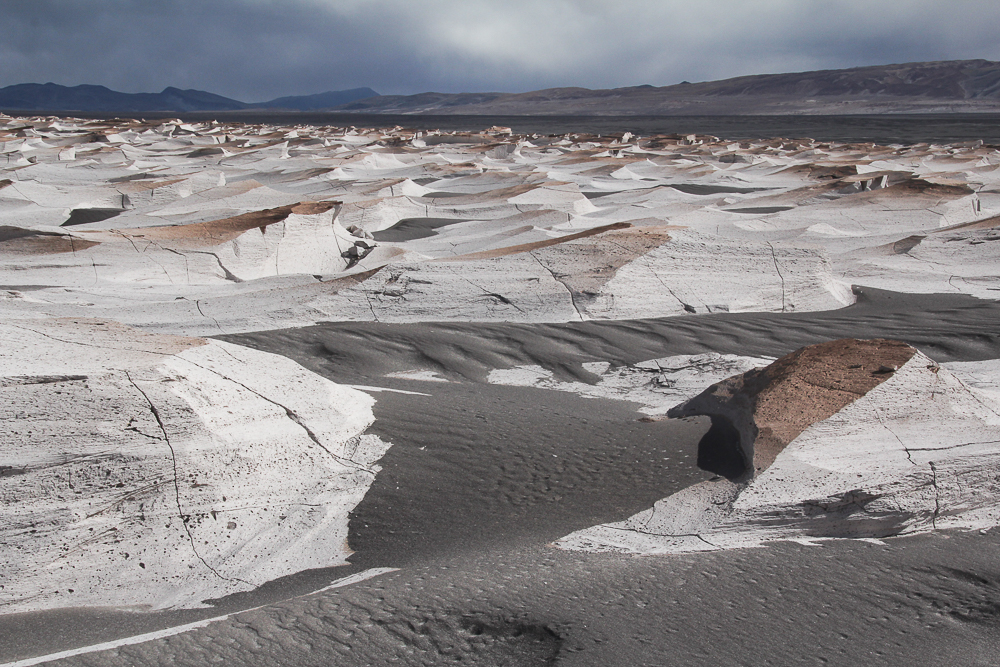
(323, 394)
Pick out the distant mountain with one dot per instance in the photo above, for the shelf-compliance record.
(951, 86)
(318, 101)
(935, 87)
(431, 102)
(51, 97)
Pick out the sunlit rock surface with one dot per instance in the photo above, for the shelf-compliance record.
(151, 471)
(656, 384)
(909, 447)
(212, 228)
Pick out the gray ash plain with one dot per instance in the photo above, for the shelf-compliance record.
(919, 600)
(481, 478)
(946, 327)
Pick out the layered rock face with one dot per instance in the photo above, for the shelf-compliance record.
(154, 471)
(861, 439)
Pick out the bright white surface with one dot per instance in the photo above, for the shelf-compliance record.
(788, 227)
(657, 384)
(156, 471)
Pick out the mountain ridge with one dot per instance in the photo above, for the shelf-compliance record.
(939, 86)
(48, 97)
(956, 86)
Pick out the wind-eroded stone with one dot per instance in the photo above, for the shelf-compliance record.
(916, 452)
(148, 470)
(770, 407)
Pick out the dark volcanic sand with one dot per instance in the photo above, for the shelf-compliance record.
(485, 467)
(946, 327)
(481, 478)
(922, 600)
(760, 210)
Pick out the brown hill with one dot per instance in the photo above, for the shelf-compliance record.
(941, 87)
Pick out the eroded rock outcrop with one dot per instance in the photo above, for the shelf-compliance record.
(770, 407)
(842, 445)
(157, 471)
(208, 228)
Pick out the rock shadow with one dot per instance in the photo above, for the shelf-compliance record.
(719, 450)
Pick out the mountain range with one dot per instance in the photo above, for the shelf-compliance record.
(51, 97)
(949, 86)
(930, 87)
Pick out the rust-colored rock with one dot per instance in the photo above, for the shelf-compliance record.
(20, 241)
(770, 407)
(528, 247)
(217, 232)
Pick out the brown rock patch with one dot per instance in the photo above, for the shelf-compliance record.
(526, 247)
(216, 232)
(985, 223)
(770, 407)
(20, 241)
(584, 266)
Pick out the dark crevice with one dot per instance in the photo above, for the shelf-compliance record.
(83, 216)
(719, 450)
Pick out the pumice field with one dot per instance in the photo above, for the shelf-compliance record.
(315, 395)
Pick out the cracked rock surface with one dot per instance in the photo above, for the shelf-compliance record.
(154, 471)
(222, 228)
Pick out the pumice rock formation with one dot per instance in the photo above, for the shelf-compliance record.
(862, 439)
(212, 228)
(770, 407)
(152, 471)
(195, 318)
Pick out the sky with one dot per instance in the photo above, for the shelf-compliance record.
(256, 50)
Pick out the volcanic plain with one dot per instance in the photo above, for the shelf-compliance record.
(325, 395)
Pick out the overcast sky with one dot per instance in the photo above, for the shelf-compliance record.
(256, 50)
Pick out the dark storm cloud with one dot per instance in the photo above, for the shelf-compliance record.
(259, 49)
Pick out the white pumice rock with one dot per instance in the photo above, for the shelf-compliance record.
(784, 230)
(154, 471)
(695, 274)
(656, 384)
(919, 452)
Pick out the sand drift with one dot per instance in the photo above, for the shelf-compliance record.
(230, 354)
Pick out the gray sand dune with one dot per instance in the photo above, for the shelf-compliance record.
(945, 327)
(922, 600)
(480, 478)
